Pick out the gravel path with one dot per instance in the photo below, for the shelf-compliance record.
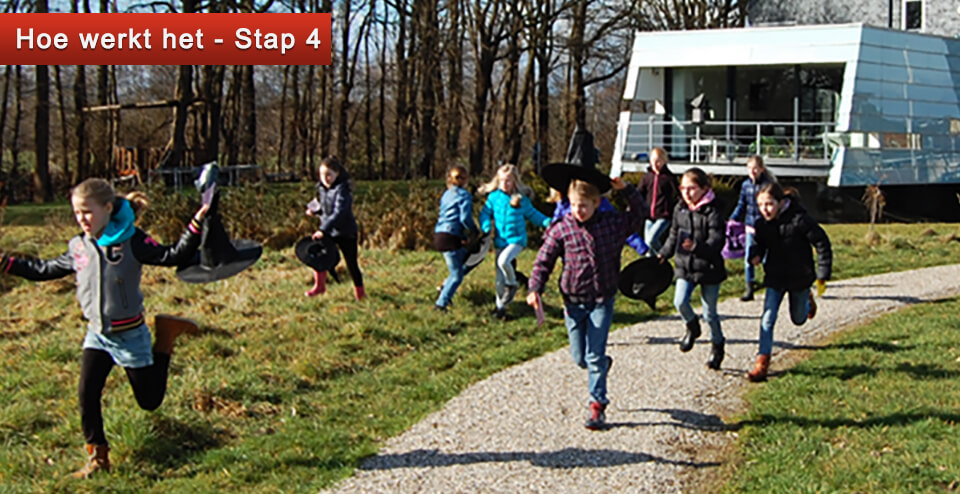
(521, 430)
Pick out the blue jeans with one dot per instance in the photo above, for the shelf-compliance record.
(454, 259)
(748, 269)
(799, 307)
(708, 297)
(653, 232)
(506, 284)
(588, 326)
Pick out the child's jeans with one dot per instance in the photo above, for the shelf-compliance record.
(454, 260)
(748, 269)
(506, 276)
(799, 307)
(708, 299)
(587, 327)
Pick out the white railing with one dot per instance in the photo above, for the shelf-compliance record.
(727, 141)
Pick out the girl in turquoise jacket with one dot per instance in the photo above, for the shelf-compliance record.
(509, 209)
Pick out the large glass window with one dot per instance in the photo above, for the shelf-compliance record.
(913, 14)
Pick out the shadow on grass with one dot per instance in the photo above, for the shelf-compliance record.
(176, 443)
(876, 346)
(566, 458)
(685, 419)
(845, 372)
(479, 297)
(896, 419)
(896, 298)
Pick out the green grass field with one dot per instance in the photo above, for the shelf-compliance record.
(872, 410)
(281, 393)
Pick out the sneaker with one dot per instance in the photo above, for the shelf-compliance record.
(812, 311)
(597, 418)
(439, 308)
(501, 314)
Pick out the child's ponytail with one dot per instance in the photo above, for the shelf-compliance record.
(138, 201)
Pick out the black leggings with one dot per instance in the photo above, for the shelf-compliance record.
(149, 387)
(348, 247)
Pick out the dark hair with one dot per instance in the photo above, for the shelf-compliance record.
(333, 163)
(778, 192)
(699, 177)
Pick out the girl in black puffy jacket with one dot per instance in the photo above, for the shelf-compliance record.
(786, 238)
(697, 237)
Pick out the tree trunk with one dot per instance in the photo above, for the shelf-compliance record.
(15, 137)
(383, 103)
(368, 99)
(454, 109)
(80, 130)
(41, 130)
(6, 187)
(577, 109)
(429, 40)
(64, 139)
(248, 116)
(283, 117)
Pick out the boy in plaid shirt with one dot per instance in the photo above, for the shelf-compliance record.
(589, 242)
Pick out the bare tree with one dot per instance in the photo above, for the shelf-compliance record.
(487, 30)
(427, 25)
(455, 70)
(653, 15)
(41, 126)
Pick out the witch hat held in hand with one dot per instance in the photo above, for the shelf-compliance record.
(218, 257)
(581, 164)
(645, 279)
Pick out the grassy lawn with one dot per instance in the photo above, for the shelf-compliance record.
(282, 393)
(872, 410)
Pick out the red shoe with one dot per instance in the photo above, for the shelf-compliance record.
(597, 418)
(759, 372)
(359, 293)
(319, 284)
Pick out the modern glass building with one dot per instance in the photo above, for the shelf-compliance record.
(850, 104)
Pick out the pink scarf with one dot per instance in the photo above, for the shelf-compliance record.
(709, 196)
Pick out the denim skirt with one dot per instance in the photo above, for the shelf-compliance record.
(130, 348)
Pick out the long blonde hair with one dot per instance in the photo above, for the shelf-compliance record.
(520, 189)
(103, 193)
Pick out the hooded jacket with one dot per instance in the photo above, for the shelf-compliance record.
(336, 208)
(704, 264)
(788, 241)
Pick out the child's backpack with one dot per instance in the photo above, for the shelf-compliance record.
(736, 239)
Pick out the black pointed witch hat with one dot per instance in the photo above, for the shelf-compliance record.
(580, 164)
(645, 279)
(321, 255)
(218, 257)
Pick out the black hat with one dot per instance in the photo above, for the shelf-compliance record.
(477, 250)
(646, 278)
(321, 255)
(218, 257)
(581, 164)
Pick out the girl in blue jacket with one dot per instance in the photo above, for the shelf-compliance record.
(507, 210)
(335, 194)
(747, 212)
(454, 226)
(107, 259)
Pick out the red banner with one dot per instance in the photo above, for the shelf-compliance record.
(165, 39)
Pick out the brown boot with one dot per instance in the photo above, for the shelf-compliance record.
(98, 459)
(167, 328)
(759, 372)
